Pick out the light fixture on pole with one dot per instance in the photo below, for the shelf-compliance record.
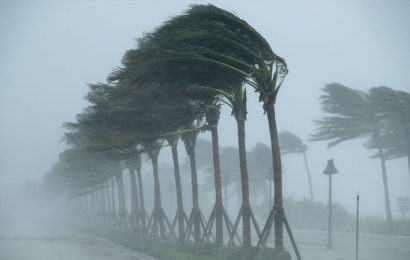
(330, 170)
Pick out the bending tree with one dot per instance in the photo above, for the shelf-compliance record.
(290, 143)
(208, 39)
(394, 108)
(352, 115)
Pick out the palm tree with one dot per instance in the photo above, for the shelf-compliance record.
(212, 118)
(158, 216)
(208, 40)
(353, 115)
(260, 163)
(189, 139)
(132, 165)
(204, 95)
(290, 143)
(92, 132)
(394, 108)
(231, 183)
(180, 215)
(86, 172)
(235, 97)
(149, 116)
(249, 55)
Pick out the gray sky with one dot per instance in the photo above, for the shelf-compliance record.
(49, 50)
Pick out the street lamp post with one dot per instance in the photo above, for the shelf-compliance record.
(330, 170)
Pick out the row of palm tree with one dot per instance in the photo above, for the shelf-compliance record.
(380, 114)
(260, 165)
(172, 86)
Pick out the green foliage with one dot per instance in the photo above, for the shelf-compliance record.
(382, 114)
(78, 170)
(394, 110)
(260, 162)
(207, 47)
(290, 143)
(352, 115)
(201, 58)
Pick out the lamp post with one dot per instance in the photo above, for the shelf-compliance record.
(330, 170)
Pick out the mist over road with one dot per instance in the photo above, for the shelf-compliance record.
(33, 227)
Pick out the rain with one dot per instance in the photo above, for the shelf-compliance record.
(205, 130)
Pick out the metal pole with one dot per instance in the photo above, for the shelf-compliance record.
(357, 228)
(329, 238)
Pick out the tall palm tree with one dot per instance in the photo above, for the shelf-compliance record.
(102, 127)
(212, 118)
(158, 216)
(189, 139)
(142, 212)
(211, 40)
(185, 90)
(135, 200)
(149, 115)
(180, 215)
(231, 183)
(394, 108)
(260, 163)
(235, 97)
(291, 143)
(352, 115)
(86, 172)
(92, 133)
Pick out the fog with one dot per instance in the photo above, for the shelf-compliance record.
(50, 50)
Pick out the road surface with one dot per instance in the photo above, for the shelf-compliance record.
(36, 229)
(41, 243)
(312, 246)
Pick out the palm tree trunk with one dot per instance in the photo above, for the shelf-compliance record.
(178, 188)
(246, 218)
(225, 185)
(97, 201)
(110, 210)
(218, 187)
(157, 188)
(195, 197)
(87, 206)
(277, 175)
(107, 197)
(157, 197)
(103, 202)
(309, 176)
(113, 197)
(134, 199)
(121, 201)
(386, 191)
(141, 195)
(270, 192)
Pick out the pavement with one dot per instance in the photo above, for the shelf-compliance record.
(312, 246)
(42, 243)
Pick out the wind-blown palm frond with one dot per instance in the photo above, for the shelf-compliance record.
(352, 115)
(394, 110)
(291, 143)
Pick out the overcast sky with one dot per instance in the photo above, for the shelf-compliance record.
(50, 50)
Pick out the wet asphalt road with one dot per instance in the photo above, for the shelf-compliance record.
(42, 243)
